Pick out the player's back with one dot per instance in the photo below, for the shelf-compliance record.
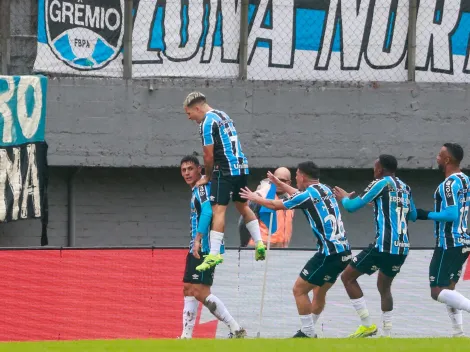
(325, 219)
(219, 129)
(453, 191)
(392, 207)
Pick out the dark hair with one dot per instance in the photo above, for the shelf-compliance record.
(190, 159)
(388, 162)
(455, 150)
(310, 169)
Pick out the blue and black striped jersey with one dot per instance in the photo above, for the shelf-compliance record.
(200, 195)
(453, 191)
(322, 211)
(393, 204)
(218, 129)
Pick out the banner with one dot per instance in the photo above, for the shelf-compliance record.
(342, 40)
(23, 150)
(80, 37)
(126, 293)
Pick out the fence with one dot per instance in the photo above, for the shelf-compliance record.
(50, 294)
(334, 40)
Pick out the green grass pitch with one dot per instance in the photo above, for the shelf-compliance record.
(258, 345)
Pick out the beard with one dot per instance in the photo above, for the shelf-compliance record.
(440, 167)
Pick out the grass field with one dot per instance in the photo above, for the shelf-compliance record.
(271, 345)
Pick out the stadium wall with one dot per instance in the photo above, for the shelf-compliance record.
(105, 122)
(150, 207)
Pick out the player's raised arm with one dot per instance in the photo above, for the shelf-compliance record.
(281, 184)
(370, 193)
(246, 193)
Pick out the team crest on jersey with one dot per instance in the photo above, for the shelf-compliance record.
(85, 34)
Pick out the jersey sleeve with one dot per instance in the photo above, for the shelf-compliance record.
(206, 131)
(449, 193)
(203, 194)
(299, 200)
(373, 190)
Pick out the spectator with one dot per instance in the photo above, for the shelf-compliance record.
(283, 234)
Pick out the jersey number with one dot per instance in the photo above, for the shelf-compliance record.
(401, 220)
(234, 141)
(338, 227)
(463, 218)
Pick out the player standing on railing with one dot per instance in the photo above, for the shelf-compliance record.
(226, 164)
(393, 207)
(451, 204)
(197, 285)
(322, 211)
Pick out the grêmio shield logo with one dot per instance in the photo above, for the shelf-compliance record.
(85, 34)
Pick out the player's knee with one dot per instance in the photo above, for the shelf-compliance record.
(187, 290)
(435, 291)
(297, 290)
(346, 278)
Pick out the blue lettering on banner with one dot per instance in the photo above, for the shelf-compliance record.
(361, 32)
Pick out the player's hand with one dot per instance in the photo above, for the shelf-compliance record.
(196, 248)
(203, 181)
(274, 179)
(245, 193)
(422, 214)
(341, 193)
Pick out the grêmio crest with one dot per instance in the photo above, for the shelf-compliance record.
(85, 34)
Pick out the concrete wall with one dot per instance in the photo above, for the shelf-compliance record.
(114, 123)
(117, 207)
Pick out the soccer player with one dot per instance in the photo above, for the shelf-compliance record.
(322, 211)
(393, 207)
(451, 204)
(197, 286)
(225, 162)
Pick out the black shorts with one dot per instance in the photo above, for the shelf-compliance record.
(370, 260)
(320, 268)
(192, 276)
(224, 187)
(446, 265)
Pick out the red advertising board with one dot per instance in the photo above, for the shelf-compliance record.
(93, 294)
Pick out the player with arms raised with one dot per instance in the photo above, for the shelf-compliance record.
(197, 285)
(451, 204)
(393, 207)
(322, 211)
(225, 162)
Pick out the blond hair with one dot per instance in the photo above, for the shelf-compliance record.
(194, 98)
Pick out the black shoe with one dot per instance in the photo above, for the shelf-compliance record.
(302, 335)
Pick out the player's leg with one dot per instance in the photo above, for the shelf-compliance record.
(326, 277)
(455, 316)
(202, 292)
(220, 197)
(249, 216)
(444, 273)
(304, 307)
(190, 302)
(319, 274)
(390, 266)
(363, 263)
